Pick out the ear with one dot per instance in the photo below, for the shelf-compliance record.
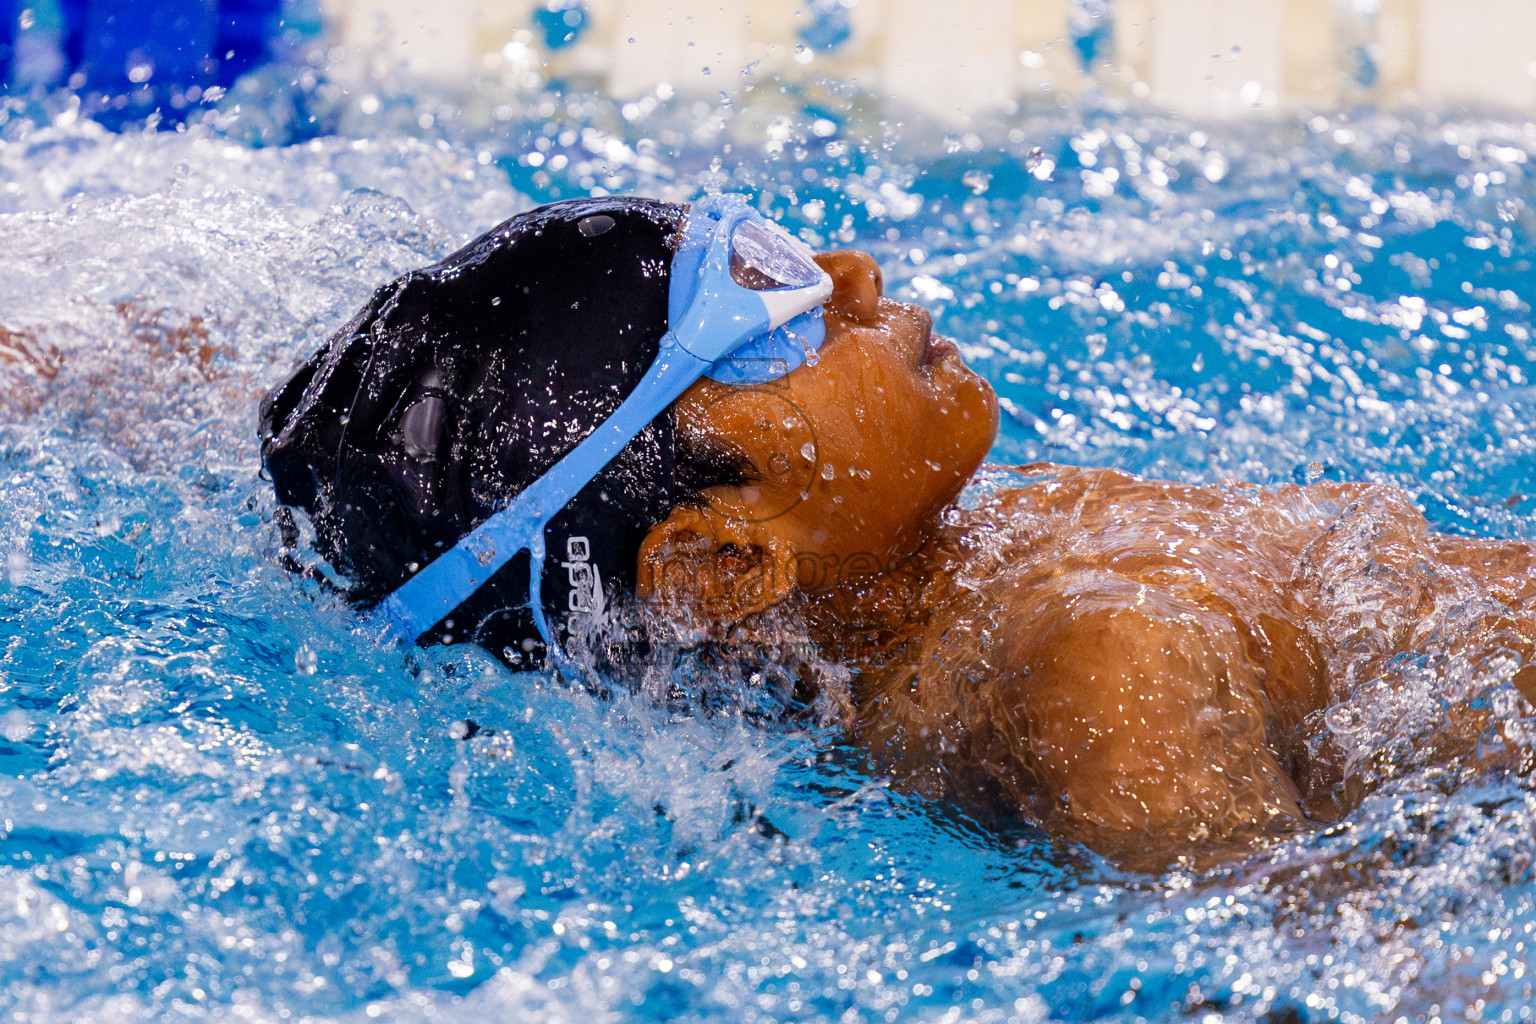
(715, 566)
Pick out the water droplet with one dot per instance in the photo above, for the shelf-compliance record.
(1521, 730)
(595, 225)
(978, 181)
(1344, 720)
(1508, 704)
(808, 451)
(305, 660)
(827, 472)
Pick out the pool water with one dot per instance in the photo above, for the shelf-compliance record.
(222, 798)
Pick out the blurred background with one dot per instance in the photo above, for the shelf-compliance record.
(950, 60)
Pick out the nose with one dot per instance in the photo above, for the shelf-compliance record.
(856, 284)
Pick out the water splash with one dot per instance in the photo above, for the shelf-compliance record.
(198, 826)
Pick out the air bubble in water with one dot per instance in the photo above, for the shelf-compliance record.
(977, 181)
(1521, 731)
(1508, 704)
(1038, 164)
(15, 726)
(1344, 720)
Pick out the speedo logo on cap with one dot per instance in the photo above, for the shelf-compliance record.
(586, 593)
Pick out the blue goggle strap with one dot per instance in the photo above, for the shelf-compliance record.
(425, 599)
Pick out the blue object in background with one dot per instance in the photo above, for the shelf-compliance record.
(132, 43)
(1091, 26)
(240, 40)
(8, 19)
(154, 51)
(561, 21)
(1365, 70)
(830, 26)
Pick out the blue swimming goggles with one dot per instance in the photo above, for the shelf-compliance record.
(744, 306)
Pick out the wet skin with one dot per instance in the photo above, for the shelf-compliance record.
(1114, 657)
(847, 462)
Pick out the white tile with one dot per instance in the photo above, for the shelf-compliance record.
(1215, 56)
(1397, 51)
(1044, 57)
(951, 58)
(696, 46)
(1481, 52)
(432, 39)
(1314, 68)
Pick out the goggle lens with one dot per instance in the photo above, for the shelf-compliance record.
(765, 256)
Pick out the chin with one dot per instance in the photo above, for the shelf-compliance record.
(976, 404)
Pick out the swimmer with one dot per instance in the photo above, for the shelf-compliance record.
(610, 400)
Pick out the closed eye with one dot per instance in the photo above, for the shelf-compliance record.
(704, 462)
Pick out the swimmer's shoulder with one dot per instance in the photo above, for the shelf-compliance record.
(1052, 486)
(1048, 487)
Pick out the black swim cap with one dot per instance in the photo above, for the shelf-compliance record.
(459, 385)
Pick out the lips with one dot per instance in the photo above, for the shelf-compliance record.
(930, 349)
(936, 348)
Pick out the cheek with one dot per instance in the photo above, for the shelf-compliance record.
(890, 413)
(908, 423)
(892, 435)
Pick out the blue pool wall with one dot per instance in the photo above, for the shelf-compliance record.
(143, 56)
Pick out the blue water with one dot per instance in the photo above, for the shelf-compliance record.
(221, 798)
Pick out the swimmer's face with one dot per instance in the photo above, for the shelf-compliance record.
(845, 461)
